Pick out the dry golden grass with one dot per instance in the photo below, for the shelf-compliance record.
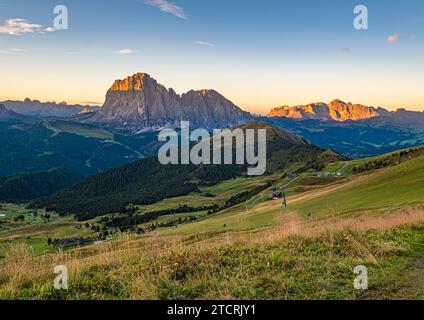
(134, 267)
(292, 225)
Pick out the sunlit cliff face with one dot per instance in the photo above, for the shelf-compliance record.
(336, 110)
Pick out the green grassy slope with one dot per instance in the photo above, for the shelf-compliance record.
(21, 225)
(385, 189)
(391, 187)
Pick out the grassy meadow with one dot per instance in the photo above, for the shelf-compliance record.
(292, 260)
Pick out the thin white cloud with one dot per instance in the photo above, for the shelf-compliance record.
(204, 44)
(18, 50)
(16, 27)
(12, 51)
(168, 7)
(6, 52)
(124, 51)
(393, 38)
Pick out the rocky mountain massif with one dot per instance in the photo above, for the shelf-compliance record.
(336, 110)
(339, 111)
(139, 102)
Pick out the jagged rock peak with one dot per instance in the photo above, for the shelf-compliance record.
(139, 102)
(206, 92)
(135, 82)
(342, 111)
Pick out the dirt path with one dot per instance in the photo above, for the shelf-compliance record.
(413, 287)
(291, 181)
(342, 169)
(262, 195)
(408, 284)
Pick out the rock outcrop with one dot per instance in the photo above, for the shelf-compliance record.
(140, 102)
(336, 110)
(210, 109)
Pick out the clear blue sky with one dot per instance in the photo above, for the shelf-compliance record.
(260, 54)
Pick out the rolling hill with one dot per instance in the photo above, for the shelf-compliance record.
(33, 146)
(8, 117)
(28, 186)
(147, 181)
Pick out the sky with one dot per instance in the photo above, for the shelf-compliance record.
(259, 54)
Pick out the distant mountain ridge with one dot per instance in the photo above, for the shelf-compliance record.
(401, 119)
(140, 102)
(40, 109)
(354, 139)
(341, 111)
(11, 117)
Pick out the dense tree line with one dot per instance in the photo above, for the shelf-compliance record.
(244, 196)
(130, 221)
(391, 160)
(29, 186)
(133, 220)
(312, 164)
(144, 182)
